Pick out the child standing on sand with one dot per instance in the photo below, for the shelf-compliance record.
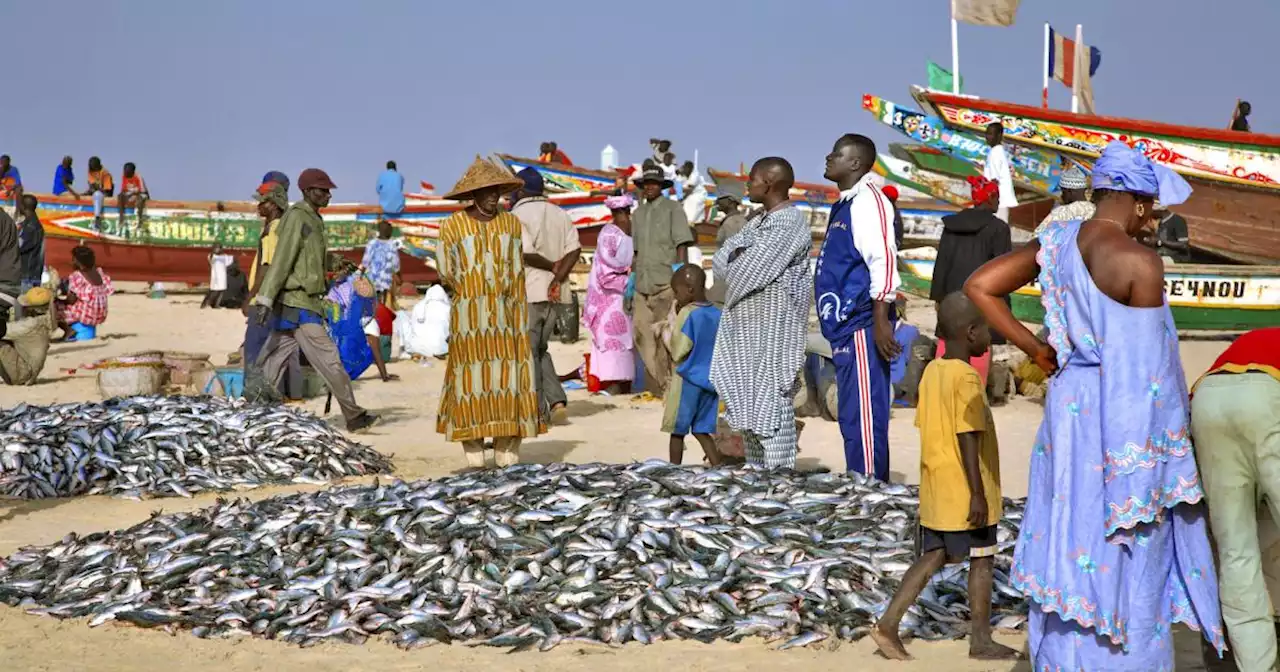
(218, 263)
(960, 501)
(691, 404)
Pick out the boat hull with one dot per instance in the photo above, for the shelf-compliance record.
(1202, 297)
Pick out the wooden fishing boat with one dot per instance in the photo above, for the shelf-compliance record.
(1234, 210)
(564, 179)
(174, 242)
(923, 183)
(1202, 296)
(1033, 169)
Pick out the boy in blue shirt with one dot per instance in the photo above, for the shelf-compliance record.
(691, 404)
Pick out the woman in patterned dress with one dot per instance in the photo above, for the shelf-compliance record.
(612, 349)
(87, 290)
(1113, 548)
(488, 384)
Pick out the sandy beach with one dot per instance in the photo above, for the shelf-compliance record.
(600, 429)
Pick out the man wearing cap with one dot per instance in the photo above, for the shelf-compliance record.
(732, 223)
(551, 249)
(662, 239)
(25, 342)
(272, 202)
(291, 295)
(1076, 205)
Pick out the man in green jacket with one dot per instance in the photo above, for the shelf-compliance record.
(290, 300)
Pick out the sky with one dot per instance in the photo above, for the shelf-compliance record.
(206, 97)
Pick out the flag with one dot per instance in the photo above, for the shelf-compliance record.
(1065, 57)
(985, 12)
(1062, 59)
(940, 78)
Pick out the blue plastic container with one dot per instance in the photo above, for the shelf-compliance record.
(232, 380)
(83, 332)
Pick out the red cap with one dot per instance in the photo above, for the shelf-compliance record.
(314, 178)
(890, 191)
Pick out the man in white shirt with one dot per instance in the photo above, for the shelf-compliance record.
(998, 170)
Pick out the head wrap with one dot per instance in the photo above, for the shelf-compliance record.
(623, 202)
(1121, 168)
(981, 189)
(274, 193)
(1073, 178)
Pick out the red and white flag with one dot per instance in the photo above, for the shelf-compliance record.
(985, 12)
(1063, 60)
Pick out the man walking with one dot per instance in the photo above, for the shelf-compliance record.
(998, 170)
(764, 325)
(1237, 443)
(662, 239)
(551, 249)
(291, 294)
(391, 191)
(856, 284)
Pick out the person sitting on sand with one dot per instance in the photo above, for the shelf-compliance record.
(24, 344)
(692, 405)
(960, 502)
(88, 287)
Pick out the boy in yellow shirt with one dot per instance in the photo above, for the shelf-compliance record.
(960, 501)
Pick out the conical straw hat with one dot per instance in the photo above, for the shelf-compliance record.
(483, 174)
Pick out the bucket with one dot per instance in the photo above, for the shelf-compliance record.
(116, 379)
(228, 379)
(182, 364)
(82, 332)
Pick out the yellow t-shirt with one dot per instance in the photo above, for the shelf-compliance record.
(953, 401)
(268, 251)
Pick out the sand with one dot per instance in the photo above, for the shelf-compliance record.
(600, 429)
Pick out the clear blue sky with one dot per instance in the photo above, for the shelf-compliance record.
(207, 96)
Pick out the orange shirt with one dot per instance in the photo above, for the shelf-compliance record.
(102, 180)
(132, 185)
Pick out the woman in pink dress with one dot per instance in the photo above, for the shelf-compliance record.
(612, 359)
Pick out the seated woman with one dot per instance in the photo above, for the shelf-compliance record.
(84, 306)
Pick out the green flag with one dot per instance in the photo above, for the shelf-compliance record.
(940, 78)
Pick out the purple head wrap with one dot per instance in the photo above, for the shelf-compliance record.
(623, 202)
(1122, 168)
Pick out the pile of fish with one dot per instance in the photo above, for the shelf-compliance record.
(157, 446)
(527, 557)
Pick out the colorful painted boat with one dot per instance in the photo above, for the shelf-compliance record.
(564, 179)
(925, 184)
(174, 242)
(1203, 297)
(1033, 169)
(1234, 211)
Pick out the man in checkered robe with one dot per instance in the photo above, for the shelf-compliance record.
(761, 343)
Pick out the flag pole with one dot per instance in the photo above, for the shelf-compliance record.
(1075, 74)
(1044, 93)
(955, 53)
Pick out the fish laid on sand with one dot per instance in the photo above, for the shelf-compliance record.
(164, 446)
(527, 557)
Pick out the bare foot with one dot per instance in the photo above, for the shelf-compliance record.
(889, 644)
(990, 650)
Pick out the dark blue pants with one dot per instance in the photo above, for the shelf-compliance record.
(862, 378)
(255, 337)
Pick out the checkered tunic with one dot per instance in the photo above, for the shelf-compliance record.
(761, 344)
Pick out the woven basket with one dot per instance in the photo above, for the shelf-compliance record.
(128, 380)
(182, 364)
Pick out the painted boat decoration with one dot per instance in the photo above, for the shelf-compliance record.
(562, 178)
(1033, 169)
(1202, 297)
(1234, 209)
(925, 184)
(1232, 157)
(174, 242)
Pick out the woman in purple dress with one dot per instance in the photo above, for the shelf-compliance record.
(1114, 547)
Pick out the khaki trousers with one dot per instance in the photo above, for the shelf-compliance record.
(1236, 428)
(506, 452)
(651, 313)
(542, 323)
(314, 342)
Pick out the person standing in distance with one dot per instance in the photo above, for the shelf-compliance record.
(855, 285)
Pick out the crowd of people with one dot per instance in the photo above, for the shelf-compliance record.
(100, 186)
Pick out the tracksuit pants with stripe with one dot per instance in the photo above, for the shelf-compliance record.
(862, 381)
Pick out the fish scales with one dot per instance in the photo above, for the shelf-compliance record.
(524, 558)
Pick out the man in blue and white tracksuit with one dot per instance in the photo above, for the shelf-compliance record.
(855, 286)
